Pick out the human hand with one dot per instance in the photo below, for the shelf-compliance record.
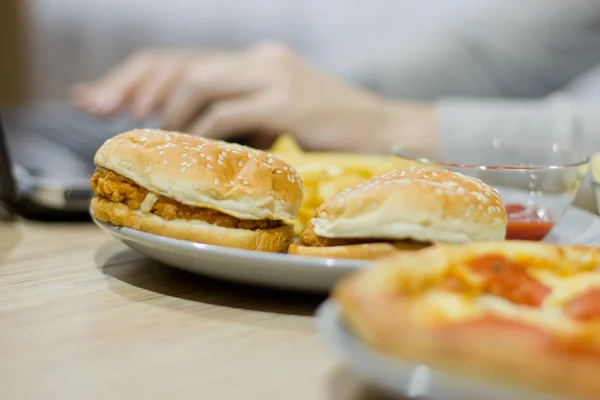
(266, 90)
(271, 90)
(140, 84)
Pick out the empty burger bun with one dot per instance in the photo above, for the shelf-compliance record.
(406, 209)
(186, 187)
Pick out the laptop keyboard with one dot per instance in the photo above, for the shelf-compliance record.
(59, 141)
(74, 129)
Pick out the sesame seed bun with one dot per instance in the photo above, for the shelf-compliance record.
(418, 203)
(234, 179)
(274, 240)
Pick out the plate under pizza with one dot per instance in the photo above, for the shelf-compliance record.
(407, 379)
(504, 320)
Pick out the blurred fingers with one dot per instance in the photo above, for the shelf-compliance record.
(153, 92)
(228, 118)
(210, 81)
(105, 96)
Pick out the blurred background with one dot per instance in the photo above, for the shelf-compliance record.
(397, 48)
(49, 44)
(15, 77)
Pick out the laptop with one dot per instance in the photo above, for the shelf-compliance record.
(46, 159)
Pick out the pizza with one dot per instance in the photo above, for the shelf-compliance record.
(524, 314)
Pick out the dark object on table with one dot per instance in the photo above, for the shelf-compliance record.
(7, 185)
(46, 158)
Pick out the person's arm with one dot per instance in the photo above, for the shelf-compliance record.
(464, 124)
(512, 48)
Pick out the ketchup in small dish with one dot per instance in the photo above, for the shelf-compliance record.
(527, 223)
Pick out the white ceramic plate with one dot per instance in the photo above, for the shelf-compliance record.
(407, 379)
(296, 272)
(244, 266)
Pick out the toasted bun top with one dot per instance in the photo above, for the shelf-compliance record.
(423, 204)
(234, 179)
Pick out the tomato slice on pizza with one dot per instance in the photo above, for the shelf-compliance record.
(519, 313)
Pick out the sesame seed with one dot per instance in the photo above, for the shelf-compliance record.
(278, 171)
(183, 169)
(239, 178)
(220, 162)
(245, 182)
(149, 169)
(161, 153)
(195, 161)
(240, 164)
(209, 166)
(165, 161)
(184, 155)
(216, 181)
(209, 158)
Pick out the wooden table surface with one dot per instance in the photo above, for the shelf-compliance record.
(83, 317)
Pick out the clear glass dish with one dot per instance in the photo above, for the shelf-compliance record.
(537, 184)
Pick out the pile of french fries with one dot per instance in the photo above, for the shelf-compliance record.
(326, 173)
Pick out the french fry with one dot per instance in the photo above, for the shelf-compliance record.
(325, 174)
(330, 188)
(595, 164)
(286, 144)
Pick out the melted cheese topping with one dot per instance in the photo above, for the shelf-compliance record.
(547, 318)
(565, 289)
(438, 307)
(433, 304)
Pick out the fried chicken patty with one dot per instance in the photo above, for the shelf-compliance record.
(119, 189)
(309, 238)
